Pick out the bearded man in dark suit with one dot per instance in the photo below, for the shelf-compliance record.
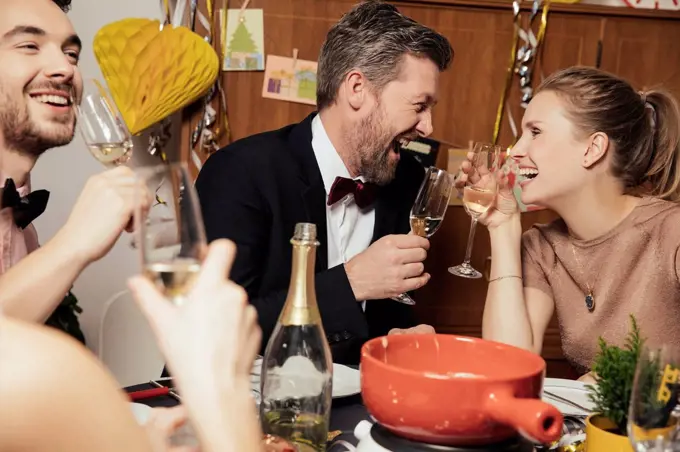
(341, 169)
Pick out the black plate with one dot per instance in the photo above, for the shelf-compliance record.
(392, 442)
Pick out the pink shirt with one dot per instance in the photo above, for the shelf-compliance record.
(15, 243)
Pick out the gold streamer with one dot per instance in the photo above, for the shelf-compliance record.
(506, 87)
(544, 24)
(210, 6)
(224, 130)
(223, 23)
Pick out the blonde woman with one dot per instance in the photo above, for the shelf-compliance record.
(606, 159)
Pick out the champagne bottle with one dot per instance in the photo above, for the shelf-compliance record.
(297, 369)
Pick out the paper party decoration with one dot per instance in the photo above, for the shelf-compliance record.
(153, 71)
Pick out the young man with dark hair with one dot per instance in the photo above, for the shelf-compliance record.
(39, 85)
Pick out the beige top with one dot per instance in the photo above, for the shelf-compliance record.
(632, 269)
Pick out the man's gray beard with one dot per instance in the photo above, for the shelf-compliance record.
(370, 143)
(21, 135)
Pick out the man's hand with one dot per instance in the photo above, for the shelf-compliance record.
(420, 329)
(389, 267)
(103, 210)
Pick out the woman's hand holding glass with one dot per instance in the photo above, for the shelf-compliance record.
(504, 205)
(479, 186)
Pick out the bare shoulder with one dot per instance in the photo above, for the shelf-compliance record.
(31, 348)
(51, 383)
(31, 353)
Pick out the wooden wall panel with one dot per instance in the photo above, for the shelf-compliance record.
(289, 24)
(640, 45)
(643, 51)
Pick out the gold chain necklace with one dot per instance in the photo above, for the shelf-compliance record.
(590, 299)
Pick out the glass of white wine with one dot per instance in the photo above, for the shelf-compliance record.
(653, 423)
(478, 195)
(428, 209)
(171, 235)
(102, 127)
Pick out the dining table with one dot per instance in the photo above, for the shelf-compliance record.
(346, 412)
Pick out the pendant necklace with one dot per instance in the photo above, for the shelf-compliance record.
(590, 299)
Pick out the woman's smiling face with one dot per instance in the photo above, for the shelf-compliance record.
(550, 151)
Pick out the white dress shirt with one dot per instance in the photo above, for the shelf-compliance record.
(349, 228)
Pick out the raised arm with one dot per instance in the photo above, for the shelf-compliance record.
(35, 286)
(518, 308)
(515, 314)
(210, 344)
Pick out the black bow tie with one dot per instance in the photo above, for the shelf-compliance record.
(25, 209)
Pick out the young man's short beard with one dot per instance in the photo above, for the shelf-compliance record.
(21, 134)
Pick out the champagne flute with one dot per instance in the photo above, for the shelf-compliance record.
(652, 425)
(171, 235)
(478, 195)
(102, 127)
(428, 209)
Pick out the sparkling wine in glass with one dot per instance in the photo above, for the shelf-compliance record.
(171, 235)
(102, 127)
(428, 209)
(652, 423)
(478, 195)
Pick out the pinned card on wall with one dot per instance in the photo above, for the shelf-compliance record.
(290, 79)
(245, 40)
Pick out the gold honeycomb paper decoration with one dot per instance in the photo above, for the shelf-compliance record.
(153, 72)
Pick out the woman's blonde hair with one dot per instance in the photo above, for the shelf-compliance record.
(644, 127)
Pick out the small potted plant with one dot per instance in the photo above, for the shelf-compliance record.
(614, 373)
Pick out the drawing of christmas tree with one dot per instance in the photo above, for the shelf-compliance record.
(245, 47)
(241, 40)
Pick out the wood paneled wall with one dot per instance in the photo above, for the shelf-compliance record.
(643, 46)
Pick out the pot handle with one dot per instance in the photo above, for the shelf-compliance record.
(533, 418)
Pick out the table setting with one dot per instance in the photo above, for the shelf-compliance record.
(352, 428)
(411, 392)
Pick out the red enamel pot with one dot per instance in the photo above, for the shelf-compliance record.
(455, 390)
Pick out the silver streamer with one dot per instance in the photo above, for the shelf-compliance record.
(527, 51)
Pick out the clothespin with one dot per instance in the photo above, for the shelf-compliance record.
(295, 55)
(244, 5)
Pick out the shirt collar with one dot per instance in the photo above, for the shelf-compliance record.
(23, 190)
(327, 157)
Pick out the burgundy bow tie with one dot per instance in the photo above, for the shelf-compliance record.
(364, 193)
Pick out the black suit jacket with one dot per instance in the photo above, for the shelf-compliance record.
(255, 190)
